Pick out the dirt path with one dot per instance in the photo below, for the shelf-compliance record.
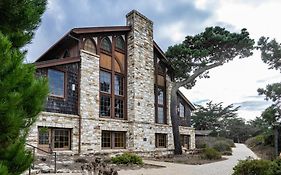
(218, 168)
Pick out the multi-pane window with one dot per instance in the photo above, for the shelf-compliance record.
(56, 82)
(160, 140)
(57, 138)
(113, 139)
(181, 110)
(61, 138)
(120, 44)
(90, 46)
(184, 140)
(160, 94)
(112, 78)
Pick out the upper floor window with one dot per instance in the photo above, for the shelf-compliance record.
(181, 110)
(90, 46)
(160, 96)
(56, 82)
(120, 43)
(106, 44)
(112, 81)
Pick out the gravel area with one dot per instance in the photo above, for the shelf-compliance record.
(217, 168)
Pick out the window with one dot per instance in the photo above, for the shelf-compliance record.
(106, 44)
(184, 139)
(113, 139)
(161, 140)
(120, 44)
(112, 80)
(160, 95)
(90, 46)
(181, 110)
(56, 82)
(57, 138)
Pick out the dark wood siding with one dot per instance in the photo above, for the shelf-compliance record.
(68, 104)
(184, 121)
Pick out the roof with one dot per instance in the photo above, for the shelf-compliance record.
(186, 100)
(203, 132)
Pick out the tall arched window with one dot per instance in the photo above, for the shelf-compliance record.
(112, 80)
(90, 46)
(160, 92)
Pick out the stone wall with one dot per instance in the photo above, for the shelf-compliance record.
(56, 120)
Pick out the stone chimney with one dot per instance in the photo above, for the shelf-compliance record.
(140, 89)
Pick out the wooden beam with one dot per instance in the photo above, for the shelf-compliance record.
(56, 62)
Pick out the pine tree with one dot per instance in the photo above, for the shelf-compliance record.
(22, 95)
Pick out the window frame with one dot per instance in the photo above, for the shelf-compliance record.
(157, 141)
(114, 73)
(112, 139)
(164, 88)
(93, 42)
(180, 103)
(64, 83)
(51, 137)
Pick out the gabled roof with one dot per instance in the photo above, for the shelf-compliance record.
(186, 100)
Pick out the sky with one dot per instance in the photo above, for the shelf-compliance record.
(233, 83)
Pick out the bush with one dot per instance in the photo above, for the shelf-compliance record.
(211, 154)
(253, 167)
(276, 167)
(127, 158)
(222, 146)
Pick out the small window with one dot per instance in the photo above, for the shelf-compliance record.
(106, 44)
(57, 138)
(181, 110)
(90, 46)
(105, 82)
(184, 139)
(161, 118)
(105, 106)
(118, 86)
(113, 139)
(119, 108)
(56, 82)
(161, 140)
(120, 43)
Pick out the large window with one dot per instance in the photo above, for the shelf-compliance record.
(113, 139)
(160, 93)
(112, 78)
(160, 140)
(57, 138)
(56, 82)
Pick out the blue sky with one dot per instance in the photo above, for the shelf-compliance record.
(235, 82)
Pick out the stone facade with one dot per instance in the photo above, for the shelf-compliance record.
(140, 126)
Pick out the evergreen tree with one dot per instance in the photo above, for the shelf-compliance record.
(19, 19)
(22, 95)
(196, 55)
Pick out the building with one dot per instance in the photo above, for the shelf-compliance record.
(109, 92)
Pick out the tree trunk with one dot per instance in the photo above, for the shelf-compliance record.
(175, 121)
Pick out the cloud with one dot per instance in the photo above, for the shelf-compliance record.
(254, 105)
(201, 102)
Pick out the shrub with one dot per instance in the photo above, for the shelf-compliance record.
(127, 158)
(211, 154)
(253, 167)
(276, 167)
(222, 146)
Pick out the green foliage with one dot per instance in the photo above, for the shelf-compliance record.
(19, 19)
(276, 167)
(127, 158)
(3, 170)
(22, 98)
(211, 154)
(222, 146)
(214, 45)
(253, 167)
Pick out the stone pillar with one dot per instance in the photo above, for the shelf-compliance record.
(140, 80)
(89, 102)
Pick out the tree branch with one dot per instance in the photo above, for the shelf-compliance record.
(197, 73)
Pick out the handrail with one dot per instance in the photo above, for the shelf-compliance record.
(51, 153)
